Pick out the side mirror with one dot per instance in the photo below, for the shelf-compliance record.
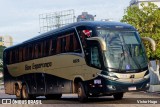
(100, 41)
(151, 41)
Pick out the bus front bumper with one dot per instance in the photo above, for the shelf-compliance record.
(109, 87)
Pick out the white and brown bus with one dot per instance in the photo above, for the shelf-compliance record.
(87, 58)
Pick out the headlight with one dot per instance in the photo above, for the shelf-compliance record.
(108, 77)
(111, 87)
(147, 76)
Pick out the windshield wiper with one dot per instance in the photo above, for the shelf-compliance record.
(121, 63)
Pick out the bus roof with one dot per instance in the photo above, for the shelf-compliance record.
(109, 24)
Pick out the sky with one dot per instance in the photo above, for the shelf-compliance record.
(20, 18)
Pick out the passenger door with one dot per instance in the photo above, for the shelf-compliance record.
(93, 54)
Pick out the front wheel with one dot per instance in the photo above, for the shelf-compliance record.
(81, 93)
(118, 96)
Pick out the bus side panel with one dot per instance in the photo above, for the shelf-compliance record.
(41, 84)
(56, 84)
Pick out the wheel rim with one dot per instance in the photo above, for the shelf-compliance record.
(18, 92)
(24, 92)
(79, 92)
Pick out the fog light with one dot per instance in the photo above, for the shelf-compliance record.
(147, 85)
(111, 87)
(90, 93)
(93, 85)
(100, 85)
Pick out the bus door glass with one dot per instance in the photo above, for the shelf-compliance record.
(93, 54)
(95, 58)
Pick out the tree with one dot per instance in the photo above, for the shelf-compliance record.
(147, 21)
(1, 52)
(1, 57)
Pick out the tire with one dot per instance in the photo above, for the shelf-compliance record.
(82, 97)
(118, 96)
(53, 96)
(32, 97)
(25, 94)
(18, 92)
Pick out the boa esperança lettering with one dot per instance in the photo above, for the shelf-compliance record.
(38, 66)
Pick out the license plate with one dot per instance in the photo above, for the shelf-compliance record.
(132, 88)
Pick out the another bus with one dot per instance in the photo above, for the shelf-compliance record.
(88, 58)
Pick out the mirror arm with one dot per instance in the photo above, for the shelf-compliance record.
(151, 41)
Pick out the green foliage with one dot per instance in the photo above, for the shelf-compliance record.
(147, 21)
(1, 52)
(1, 57)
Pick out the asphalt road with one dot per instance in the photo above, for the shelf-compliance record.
(138, 99)
(129, 98)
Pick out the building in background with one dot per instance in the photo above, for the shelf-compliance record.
(85, 17)
(6, 41)
(54, 20)
(138, 2)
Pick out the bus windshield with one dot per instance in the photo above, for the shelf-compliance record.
(124, 52)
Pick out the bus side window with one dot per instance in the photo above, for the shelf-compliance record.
(71, 49)
(7, 57)
(24, 53)
(63, 44)
(10, 57)
(20, 54)
(46, 47)
(50, 47)
(13, 56)
(29, 52)
(36, 51)
(58, 49)
(40, 47)
(83, 37)
(76, 44)
(16, 55)
(67, 43)
(53, 47)
(32, 57)
(84, 32)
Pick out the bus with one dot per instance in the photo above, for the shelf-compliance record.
(88, 58)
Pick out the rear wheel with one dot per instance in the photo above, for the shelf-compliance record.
(81, 93)
(32, 96)
(25, 94)
(18, 92)
(53, 96)
(118, 96)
